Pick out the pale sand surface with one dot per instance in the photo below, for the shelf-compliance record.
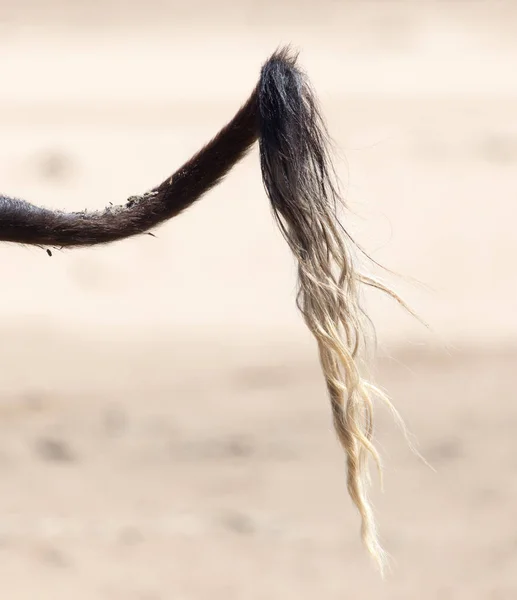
(165, 432)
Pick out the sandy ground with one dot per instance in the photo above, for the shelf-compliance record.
(164, 426)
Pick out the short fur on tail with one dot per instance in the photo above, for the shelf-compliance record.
(298, 176)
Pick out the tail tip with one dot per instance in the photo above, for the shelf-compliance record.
(285, 55)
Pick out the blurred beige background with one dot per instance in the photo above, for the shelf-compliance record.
(165, 432)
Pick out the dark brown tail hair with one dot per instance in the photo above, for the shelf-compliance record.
(298, 176)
